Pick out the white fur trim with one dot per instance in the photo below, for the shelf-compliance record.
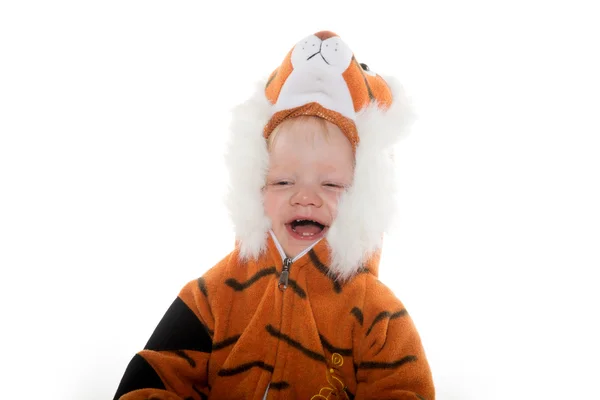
(365, 212)
(247, 159)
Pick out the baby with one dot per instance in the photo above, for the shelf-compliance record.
(311, 164)
(296, 310)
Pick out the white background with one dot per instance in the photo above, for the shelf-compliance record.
(113, 117)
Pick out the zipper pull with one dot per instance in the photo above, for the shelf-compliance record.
(283, 279)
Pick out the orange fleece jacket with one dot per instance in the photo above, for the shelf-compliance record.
(234, 334)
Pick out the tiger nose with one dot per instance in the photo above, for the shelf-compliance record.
(324, 35)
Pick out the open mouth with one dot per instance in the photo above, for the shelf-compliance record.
(306, 229)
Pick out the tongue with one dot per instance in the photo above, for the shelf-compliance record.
(307, 229)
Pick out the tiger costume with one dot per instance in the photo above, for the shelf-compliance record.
(261, 325)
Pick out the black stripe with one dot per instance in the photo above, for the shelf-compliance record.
(382, 365)
(363, 270)
(371, 97)
(279, 385)
(180, 329)
(332, 349)
(238, 287)
(184, 355)
(138, 375)
(225, 342)
(202, 286)
(245, 367)
(324, 270)
(273, 75)
(202, 395)
(349, 393)
(386, 314)
(421, 397)
(296, 288)
(358, 314)
(295, 344)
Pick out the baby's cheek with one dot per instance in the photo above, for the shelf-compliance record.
(268, 203)
(333, 199)
(273, 201)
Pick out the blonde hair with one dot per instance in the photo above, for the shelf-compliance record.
(324, 125)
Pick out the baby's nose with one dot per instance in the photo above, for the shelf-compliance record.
(307, 197)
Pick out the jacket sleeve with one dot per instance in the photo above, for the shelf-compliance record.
(173, 364)
(391, 363)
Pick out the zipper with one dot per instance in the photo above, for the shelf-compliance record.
(287, 262)
(285, 273)
(283, 283)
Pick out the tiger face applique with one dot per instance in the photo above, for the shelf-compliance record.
(320, 76)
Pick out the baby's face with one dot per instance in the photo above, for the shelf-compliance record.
(310, 165)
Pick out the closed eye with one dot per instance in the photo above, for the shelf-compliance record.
(281, 183)
(335, 185)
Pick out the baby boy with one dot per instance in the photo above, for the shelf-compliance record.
(296, 309)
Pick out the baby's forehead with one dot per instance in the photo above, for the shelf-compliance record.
(302, 163)
(315, 131)
(307, 127)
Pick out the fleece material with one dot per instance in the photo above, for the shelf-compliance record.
(237, 333)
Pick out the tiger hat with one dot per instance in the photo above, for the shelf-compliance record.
(320, 76)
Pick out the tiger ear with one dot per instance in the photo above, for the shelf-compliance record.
(278, 78)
